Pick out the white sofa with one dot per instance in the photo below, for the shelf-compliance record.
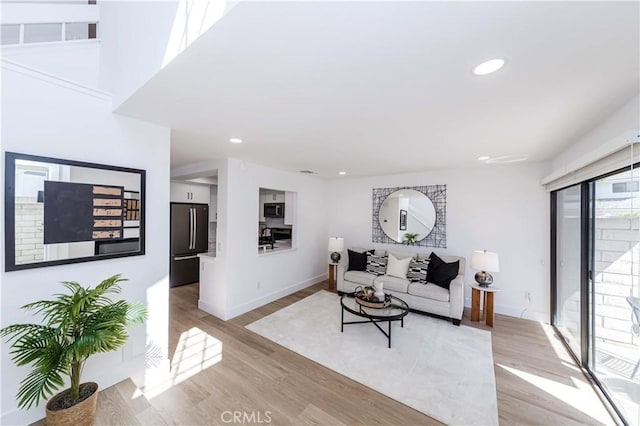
(429, 298)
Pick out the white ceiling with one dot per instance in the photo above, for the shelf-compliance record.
(374, 88)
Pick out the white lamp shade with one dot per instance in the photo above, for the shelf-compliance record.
(483, 260)
(336, 244)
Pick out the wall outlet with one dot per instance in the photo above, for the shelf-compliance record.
(258, 285)
(527, 296)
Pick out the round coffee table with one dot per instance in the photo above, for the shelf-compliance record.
(396, 311)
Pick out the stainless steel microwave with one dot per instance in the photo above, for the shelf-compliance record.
(274, 210)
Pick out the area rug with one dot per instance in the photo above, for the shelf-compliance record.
(440, 369)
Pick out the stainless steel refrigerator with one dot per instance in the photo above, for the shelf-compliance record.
(189, 236)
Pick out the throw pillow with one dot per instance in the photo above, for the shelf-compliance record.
(357, 261)
(376, 264)
(418, 270)
(440, 272)
(398, 267)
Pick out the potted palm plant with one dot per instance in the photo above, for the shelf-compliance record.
(74, 326)
(410, 238)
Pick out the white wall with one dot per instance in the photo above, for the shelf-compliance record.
(151, 43)
(623, 120)
(84, 129)
(238, 265)
(279, 273)
(77, 61)
(127, 23)
(501, 208)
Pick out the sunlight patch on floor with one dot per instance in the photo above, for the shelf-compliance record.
(196, 351)
(556, 343)
(580, 396)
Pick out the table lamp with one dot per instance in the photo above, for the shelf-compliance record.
(485, 262)
(336, 245)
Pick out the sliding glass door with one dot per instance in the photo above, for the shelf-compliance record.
(568, 222)
(615, 335)
(596, 283)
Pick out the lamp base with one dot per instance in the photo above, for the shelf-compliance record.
(335, 257)
(483, 278)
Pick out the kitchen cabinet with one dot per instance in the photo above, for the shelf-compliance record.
(212, 297)
(185, 192)
(274, 198)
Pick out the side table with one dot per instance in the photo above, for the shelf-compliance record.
(333, 273)
(487, 305)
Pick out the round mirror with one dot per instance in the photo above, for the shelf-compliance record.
(407, 216)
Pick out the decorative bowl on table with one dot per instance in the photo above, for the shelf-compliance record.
(365, 297)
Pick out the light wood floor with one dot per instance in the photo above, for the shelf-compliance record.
(537, 382)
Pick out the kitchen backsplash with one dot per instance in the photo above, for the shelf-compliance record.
(273, 222)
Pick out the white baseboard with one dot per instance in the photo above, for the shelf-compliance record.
(522, 313)
(517, 312)
(261, 301)
(216, 311)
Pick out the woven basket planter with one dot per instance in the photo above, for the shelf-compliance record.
(81, 414)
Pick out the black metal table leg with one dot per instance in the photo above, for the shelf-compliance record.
(373, 318)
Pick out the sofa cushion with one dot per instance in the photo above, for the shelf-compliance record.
(397, 267)
(359, 277)
(392, 283)
(429, 291)
(418, 270)
(401, 254)
(440, 272)
(357, 260)
(376, 265)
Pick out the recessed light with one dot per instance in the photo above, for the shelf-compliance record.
(235, 140)
(483, 158)
(342, 173)
(488, 67)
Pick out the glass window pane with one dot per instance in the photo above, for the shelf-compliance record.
(567, 315)
(77, 31)
(41, 33)
(615, 305)
(619, 187)
(10, 34)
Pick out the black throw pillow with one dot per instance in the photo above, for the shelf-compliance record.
(357, 261)
(440, 272)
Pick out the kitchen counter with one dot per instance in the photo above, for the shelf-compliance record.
(207, 255)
